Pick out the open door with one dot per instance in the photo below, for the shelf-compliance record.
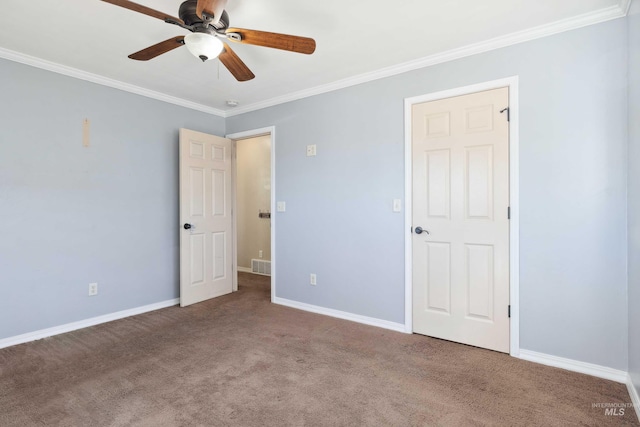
(206, 244)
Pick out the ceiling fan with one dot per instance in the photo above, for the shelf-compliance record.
(209, 25)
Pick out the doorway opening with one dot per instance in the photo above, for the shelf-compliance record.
(254, 203)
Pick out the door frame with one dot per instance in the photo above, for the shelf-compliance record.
(235, 137)
(514, 201)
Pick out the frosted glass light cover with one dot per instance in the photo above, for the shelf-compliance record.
(204, 46)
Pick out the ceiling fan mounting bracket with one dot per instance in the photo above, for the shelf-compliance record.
(189, 15)
(205, 30)
(179, 24)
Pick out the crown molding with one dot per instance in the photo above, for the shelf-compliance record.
(541, 31)
(105, 81)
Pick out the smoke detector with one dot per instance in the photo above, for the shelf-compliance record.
(232, 103)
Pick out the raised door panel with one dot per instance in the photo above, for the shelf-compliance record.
(438, 277)
(196, 150)
(218, 153)
(478, 119)
(196, 192)
(478, 195)
(479, 279)
(197, 264)
(219, 192)
(437, 125)
(219, 255)
(438, 184)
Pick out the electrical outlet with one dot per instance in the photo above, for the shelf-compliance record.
(313, 279)
(259, 254)
(93, 289)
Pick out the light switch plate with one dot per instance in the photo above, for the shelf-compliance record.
(281, 206)
(397, 205)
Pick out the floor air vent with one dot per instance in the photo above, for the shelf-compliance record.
(259, 266)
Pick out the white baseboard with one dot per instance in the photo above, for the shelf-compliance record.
(635, 399)
(44, 333)
(250, 271)
(575, 366)
(371, 321)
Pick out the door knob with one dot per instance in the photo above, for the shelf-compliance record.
(187, 226)
(420, 230)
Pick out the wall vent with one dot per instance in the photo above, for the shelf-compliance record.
(260, 266)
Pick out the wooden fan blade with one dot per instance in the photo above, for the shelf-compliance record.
(144, 10)
(212, 8)
(275, 40)
(158, 49)
(234, 64)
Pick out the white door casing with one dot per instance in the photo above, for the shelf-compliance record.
(271, 131)
(205, 205)
(460, 163)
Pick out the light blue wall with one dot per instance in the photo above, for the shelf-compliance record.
(71, 215)
(634, 193)
(573, 141)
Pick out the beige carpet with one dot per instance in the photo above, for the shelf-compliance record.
(239, 360)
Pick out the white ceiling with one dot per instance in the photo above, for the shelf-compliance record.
(353, 38)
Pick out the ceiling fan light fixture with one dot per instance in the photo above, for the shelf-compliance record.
(204, 46)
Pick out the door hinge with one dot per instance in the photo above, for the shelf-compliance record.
(509, 311)
(508, 212)
(508, 113)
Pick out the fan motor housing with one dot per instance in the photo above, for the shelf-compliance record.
(188, 14)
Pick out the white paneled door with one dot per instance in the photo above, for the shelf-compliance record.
(205, 217)
(460, 239)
